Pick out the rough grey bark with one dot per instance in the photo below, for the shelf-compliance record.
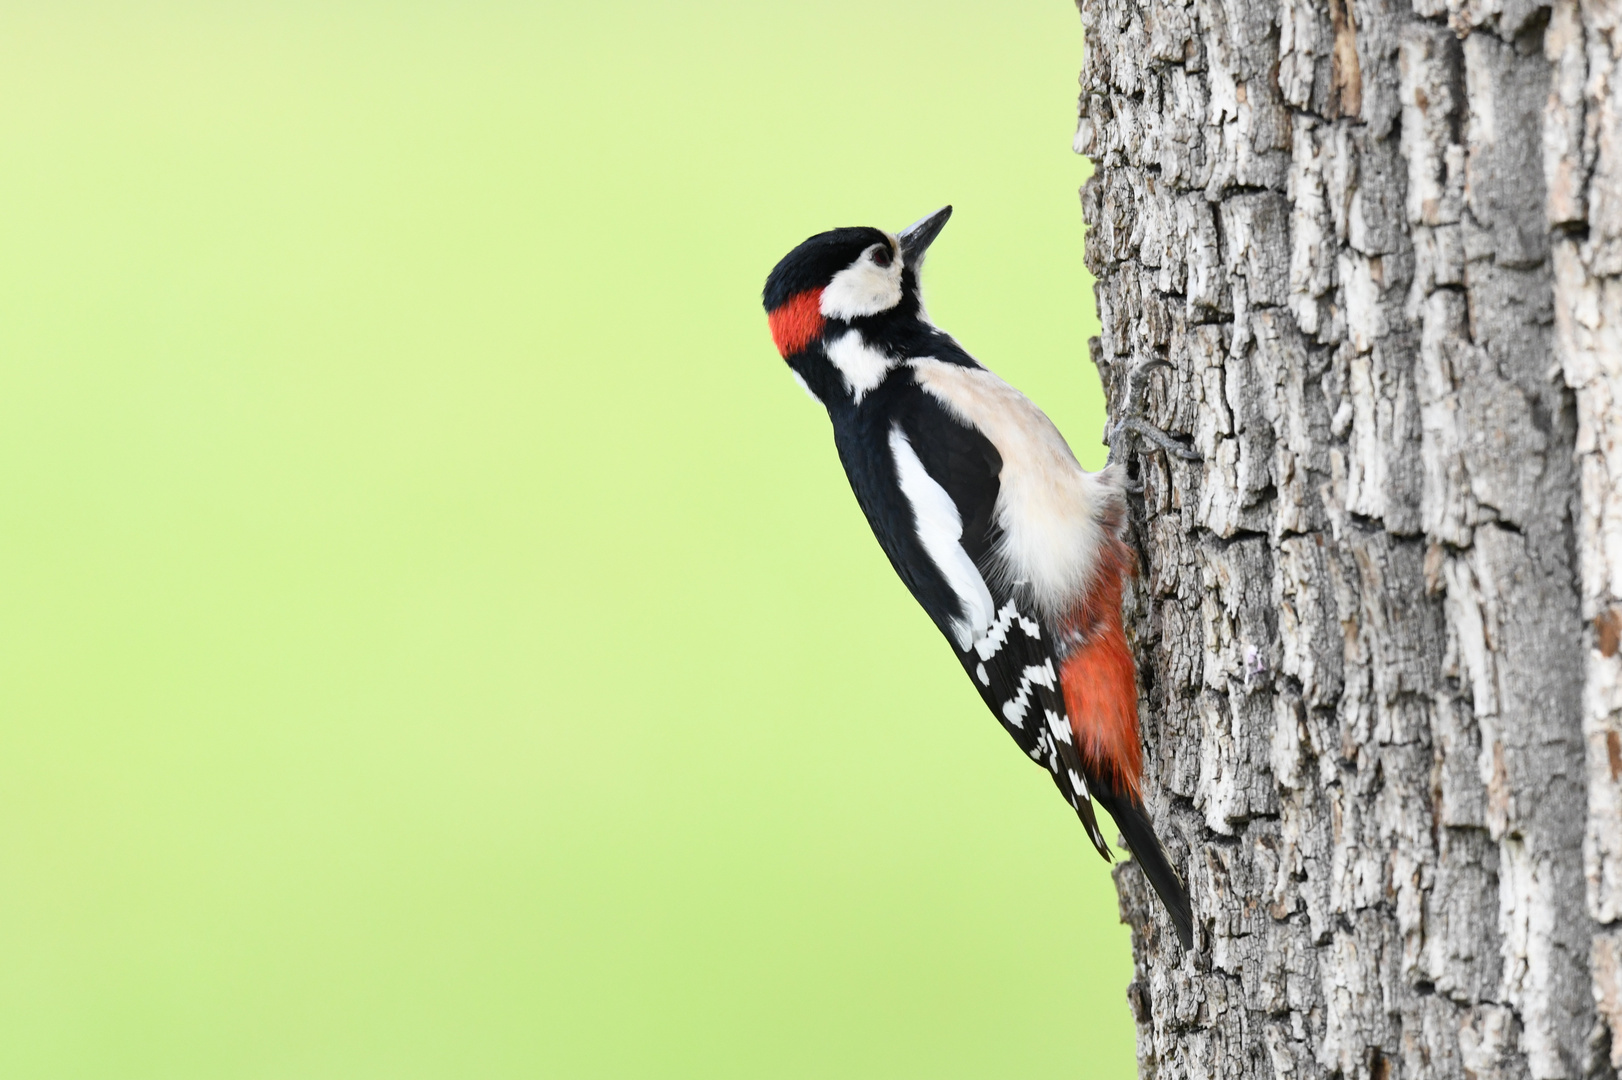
(1582, 151)
(1365, 257)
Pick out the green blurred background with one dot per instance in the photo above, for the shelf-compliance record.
(436, 636)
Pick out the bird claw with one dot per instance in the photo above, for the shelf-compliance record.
(1131, 405)
(1156, 436)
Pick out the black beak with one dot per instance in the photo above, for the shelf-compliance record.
(916, 238)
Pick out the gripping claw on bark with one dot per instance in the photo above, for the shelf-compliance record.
(1132, 408)
(1134, 381)
(1156, 436)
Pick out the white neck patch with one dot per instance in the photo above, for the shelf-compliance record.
(863, 366)
(862, 288)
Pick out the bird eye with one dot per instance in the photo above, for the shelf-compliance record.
(881, 255)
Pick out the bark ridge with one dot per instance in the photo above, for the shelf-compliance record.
(1365, 257)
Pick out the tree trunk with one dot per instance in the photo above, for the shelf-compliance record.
(1365, 258)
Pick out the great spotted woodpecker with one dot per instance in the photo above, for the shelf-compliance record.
(1005, 540)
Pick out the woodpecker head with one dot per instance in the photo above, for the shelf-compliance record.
(840, 302)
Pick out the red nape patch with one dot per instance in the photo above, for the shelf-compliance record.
(797, 322)
(1100, 682)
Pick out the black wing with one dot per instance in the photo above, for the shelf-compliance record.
(1012, 663)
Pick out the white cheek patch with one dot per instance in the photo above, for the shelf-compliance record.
(940, 530)
(863, 366)
(862, 288)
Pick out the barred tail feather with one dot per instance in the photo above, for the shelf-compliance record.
(1140, 836)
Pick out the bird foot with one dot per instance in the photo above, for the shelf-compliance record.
(1154, 435)
(1132, 406)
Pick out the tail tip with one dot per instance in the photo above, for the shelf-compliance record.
(1184, 925)
(1156, 867)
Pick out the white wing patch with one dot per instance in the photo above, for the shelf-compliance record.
(862, 366)
(940, 530)
(1050, 509)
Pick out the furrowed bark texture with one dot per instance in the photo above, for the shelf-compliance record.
(1582, 152)
(1365, 257)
